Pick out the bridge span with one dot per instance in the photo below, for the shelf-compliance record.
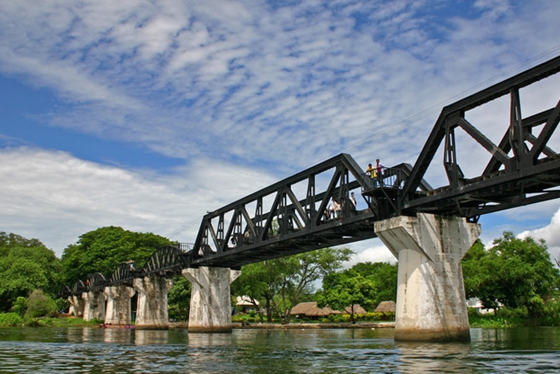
(428, 229)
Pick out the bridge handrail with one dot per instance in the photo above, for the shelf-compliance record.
(394, 177)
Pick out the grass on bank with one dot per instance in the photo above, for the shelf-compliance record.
(252, 317)
(15, 320)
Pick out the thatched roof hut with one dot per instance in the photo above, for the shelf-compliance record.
(386, 307)
(357, 309)
(310, 309)
(302, 308)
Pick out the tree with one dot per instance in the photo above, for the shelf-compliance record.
(104, 249)
(260, 282)
(9, 241)
(346, 289)
(40, 305)
(384, 275)
(179, 298)
(281, 283)
(25, 266)
(299, 272)
(517, 273)
(479, 275)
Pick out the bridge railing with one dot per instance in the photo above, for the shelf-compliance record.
(389, 178)
(185, 247)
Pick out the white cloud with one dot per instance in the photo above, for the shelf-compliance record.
(550, 233)
(296, 78)
(55, 197)
(370, 251)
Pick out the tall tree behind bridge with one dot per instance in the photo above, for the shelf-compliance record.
(104, 249)
(384, 275)
(345, 290)
(25, 266)
(517, 273)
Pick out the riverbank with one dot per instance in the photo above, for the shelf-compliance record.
(359, 325)
(322, 325)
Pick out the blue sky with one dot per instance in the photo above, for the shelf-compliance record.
(147, 114)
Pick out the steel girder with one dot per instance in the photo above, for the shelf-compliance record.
(167, 261)
(96, 282)
(286, 218)
(522, 170)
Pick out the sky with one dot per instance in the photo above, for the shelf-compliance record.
(147, 114)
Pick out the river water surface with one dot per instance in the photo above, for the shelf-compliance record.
(95, 350)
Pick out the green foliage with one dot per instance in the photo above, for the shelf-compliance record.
(61, 305)
(281, 283)
(9, 241)
(384, 275)
(20, 306)
(503, 318)
(179, 299)
(10, 320)
(551, 315)
(40, 305)
(26, 265)
(368, 317)
(517, 273)
(346, 289)
(259, 281)
(104, 249)
(476, 275)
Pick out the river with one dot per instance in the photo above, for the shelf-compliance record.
(95, 350)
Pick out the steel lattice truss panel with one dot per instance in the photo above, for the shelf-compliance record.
(287, 218)
(522, 169)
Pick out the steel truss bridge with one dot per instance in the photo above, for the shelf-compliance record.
(288, 217)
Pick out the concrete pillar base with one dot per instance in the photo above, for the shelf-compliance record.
(94, 305)
(118, 305)
(431, 304)
(210, 309)
(76, 307)
(152, 313)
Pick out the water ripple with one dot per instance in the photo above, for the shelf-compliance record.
(260, 351)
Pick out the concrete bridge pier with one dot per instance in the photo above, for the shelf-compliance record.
(152, 313)
(76, 307)
(94, 305)
(210, 309)
(431, 304)
(118, 310)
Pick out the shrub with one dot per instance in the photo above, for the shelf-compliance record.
(551, 314)
(40, 305)
(20, 306)
(10, 319)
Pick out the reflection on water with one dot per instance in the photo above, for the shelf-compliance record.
(434, 357)
(114, 350)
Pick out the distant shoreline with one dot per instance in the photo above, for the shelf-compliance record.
(359, 325)
(298, 325)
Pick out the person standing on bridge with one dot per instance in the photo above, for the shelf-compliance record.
(379, 170)
(372, 174)
(332, 208)
(352, 201)
(337, 208)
